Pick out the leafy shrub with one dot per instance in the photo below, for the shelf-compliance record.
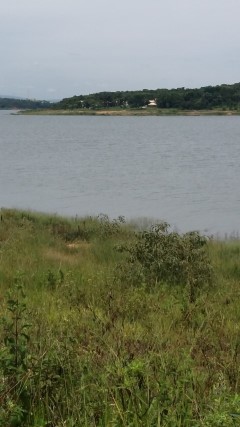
(164, 256)
(109, 228)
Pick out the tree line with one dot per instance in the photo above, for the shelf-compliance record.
(13, 103)
(223, 96)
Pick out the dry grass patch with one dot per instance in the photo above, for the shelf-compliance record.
(60, 257)
(69, 255)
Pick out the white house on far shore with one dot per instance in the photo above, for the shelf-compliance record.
(152, 103)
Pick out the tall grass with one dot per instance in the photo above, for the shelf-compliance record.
(89, 338)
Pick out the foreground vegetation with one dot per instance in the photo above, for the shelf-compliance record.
(104, 325)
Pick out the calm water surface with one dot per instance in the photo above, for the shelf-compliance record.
(185, 170)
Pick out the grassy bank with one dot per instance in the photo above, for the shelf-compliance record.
(132, 112)
(106, 326)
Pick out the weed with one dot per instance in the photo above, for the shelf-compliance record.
(15, 358)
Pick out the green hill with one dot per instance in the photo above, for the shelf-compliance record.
(205, 98)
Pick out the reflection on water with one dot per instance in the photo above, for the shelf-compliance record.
(181, 169)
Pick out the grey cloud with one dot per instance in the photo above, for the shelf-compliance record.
(80, 47)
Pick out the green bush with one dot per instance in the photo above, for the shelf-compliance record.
(160, 255)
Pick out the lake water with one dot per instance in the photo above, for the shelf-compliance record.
(185, 170)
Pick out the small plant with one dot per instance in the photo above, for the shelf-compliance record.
(108, 227)
(14, 357)
(54, 280)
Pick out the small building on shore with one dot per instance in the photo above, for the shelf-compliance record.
(152, 103)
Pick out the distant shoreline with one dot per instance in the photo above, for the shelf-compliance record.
(131, 112)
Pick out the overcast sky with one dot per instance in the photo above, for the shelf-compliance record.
(52, 49)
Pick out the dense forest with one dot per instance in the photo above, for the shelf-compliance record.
(209, 97)
(13, 103)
